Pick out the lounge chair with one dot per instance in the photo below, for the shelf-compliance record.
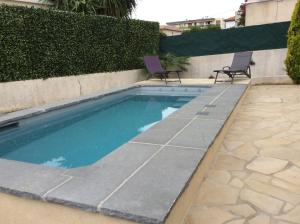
(155, 68)
(240, 66)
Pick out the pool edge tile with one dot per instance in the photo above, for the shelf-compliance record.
(161, 168)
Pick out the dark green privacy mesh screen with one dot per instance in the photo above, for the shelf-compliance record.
(252, 38)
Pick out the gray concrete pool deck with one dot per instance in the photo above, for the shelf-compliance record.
(142, 180)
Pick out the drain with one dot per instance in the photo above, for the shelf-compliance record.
(203, 113)
(210, 106)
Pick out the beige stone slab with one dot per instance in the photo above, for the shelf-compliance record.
(250, 135)
(296, 163)
(287, 207)
(259, 177)
(294, 117)
(286, 185)
(212, 193)
(274, 192)
(290, 135)
(209, 215)
(267, 165)
(260, 219)
(227, 162)
(265, 203)
(291, 216)
(231, 145)
(296, 125)
(219, 176)
(274, 123)
(291, 175)
(240, 174)
(246, 152)
(296, 145)
(268, 100)
(236, 182)
(222, 148)
(271, 142)
(282, 222)
(243, 210)
(281, 152)
(238, 221)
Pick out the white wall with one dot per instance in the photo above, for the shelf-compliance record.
(229, 24)
(269, 11)
(171, 32)
(29, 3)
(269, 66)
(24, 94)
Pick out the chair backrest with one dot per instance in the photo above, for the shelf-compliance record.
(241, 61)
(153, 64)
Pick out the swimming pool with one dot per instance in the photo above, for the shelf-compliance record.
(82, 134)
(161, 161)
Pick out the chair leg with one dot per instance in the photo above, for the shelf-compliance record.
(249, 74)
(165, 77)
(216, 77)
(179, 77)
(232, 78)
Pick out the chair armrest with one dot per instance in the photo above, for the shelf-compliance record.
(226, 68)
(169, 71)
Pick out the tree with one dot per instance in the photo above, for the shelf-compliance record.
(115, 8)
(293, 56)
(242, 14)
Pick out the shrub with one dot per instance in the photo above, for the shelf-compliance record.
(37, 43)
(293, 56)
(172, 62)
(195, 29)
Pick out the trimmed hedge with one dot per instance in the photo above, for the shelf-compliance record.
(293, 57)
(37, 43)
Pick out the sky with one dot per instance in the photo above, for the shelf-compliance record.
(177, 10)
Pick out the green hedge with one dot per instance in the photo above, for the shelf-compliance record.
(37, 43)
(263, 37)
(293, 57)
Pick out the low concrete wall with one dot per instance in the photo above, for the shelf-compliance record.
(269, 11)
(269, 66)
(30, 93)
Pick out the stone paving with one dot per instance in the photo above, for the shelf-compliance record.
(255, 178)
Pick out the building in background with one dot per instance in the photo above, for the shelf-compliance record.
(170, 30)
(204, 22)
(230, 22)
(28, 3)
(268, 11)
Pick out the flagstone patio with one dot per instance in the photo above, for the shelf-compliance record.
(255, 177)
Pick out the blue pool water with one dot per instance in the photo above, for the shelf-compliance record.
(79, 137)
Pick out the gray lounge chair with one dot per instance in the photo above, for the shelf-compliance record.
(240, 66)
(155, 68)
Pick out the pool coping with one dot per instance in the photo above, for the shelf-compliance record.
(139, 171)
